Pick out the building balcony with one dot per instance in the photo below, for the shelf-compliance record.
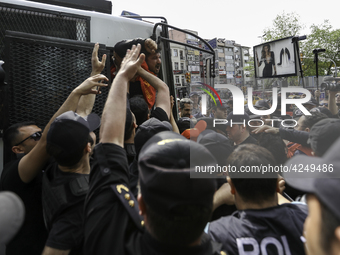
(178, 71)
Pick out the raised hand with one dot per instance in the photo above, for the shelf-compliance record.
(131, 62)
(267, 129)
(150, 45)
(92, 85)
(97, 66)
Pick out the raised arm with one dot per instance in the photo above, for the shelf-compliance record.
(291, 135)
(112, 127)
(32, 163)
(163, 95)
(86, 102)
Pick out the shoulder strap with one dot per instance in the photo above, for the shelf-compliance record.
(130, 203)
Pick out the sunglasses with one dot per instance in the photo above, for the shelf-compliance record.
(36, 137)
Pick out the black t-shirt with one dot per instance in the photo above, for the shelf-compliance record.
(277, 230)
(109, 226)
(67, 228)
(32, 236)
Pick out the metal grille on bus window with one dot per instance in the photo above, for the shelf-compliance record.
(42, 22)
(41, 76)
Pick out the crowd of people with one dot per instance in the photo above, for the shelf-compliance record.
(142, 186)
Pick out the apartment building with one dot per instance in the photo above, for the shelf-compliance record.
(185, 61)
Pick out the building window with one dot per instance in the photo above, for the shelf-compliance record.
(176, 66)
(177, 79)
(182, 66)
(197, 58)
(219, 50)
(190, 57)
(182, 78)
(181, 54)
(175, 53)
(229, 57)
(221, 59)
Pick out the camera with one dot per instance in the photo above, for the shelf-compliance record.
(330, 86)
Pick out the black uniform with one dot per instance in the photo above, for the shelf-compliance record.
(63, 205)
(32, 236)
(275, 230)
(112, 223)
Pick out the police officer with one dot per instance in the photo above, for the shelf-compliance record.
(175, 207)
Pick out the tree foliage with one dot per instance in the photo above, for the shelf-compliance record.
(322, 36)
(249, 69)
(284, 25)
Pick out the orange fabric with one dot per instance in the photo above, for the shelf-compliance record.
(292, 147)
(149, 92)
(112, 71)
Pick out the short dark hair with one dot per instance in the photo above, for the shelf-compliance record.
(253, 189)
(310, 120)
(275, 145)
(185, 227)
(328, 225)
(11, 133)
(184, 123)
(68, 159)
(185, 101)
(139, 108)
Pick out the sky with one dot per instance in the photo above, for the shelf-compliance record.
(241, 21)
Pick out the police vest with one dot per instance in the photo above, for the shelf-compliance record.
(57, 198)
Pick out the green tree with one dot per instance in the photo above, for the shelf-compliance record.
(325, 37)
(284, 25)
(249, 69)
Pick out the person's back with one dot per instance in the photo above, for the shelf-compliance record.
(260, 224)
(275, 230)
(65, 217)
(65, 182)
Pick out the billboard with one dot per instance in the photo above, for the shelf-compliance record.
(275, 59)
